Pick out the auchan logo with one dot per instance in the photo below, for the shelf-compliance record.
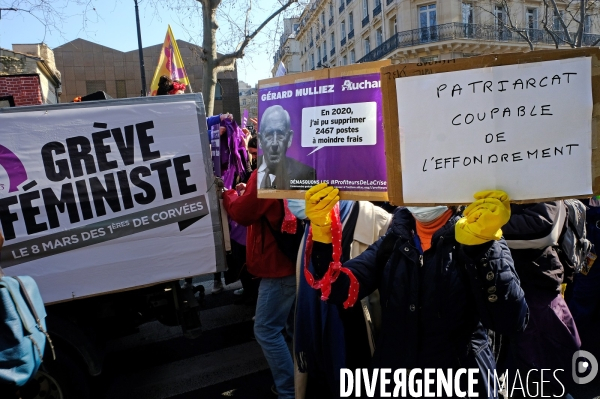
(365, 84)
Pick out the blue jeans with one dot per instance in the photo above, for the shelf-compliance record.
(275, 300)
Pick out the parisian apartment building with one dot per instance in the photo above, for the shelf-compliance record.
(248, 99)
(341, 32)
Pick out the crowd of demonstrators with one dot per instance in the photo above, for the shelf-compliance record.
(413, 287)
(434, 270)
(437, 287)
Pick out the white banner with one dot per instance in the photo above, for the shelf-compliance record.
(104, 198)
(525, 129)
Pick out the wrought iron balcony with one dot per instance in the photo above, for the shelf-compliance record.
(342, 8)
(377, 10)
(343, 42)
(332, 52)
(351, 34)
(365, 21)
(331, 21)
(459, 31)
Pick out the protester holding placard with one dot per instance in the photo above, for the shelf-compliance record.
(327, 337)
(442, 279)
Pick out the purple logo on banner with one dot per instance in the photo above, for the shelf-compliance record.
(14, 168)
(336, 134)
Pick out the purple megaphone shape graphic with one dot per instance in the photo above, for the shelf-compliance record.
(14, 168)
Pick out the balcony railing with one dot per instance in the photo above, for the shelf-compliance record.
(365, 21)
(388, 2)
(330, 21)
(351, 34)
(332, 52)
(342, 8)
(455, 30)
(343, 42)
(377, 10)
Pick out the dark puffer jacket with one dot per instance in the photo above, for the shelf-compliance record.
(536, 267)
(435, 305)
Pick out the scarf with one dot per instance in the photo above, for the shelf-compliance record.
(425, 231)
(320, 345)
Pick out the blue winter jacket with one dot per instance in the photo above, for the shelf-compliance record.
(436, 305)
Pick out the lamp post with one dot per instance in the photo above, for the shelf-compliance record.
(140, 50)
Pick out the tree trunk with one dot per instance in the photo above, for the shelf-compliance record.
(209, 46)
(582, 12)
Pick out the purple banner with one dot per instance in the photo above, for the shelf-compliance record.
(245, 118)
(335, 135)
(215, 148)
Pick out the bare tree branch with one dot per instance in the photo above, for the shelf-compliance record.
(228, 59)
(568, 38)
(548, 30)
(512, 27)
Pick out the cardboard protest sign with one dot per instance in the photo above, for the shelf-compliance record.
(106, 196)
(521, 123)
(322, 126)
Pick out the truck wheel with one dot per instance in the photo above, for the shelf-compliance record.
(63, 378)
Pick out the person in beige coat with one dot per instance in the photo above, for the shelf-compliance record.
(322, 339)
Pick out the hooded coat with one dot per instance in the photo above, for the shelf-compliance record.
(437, 304)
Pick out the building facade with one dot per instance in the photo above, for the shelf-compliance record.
(248, 100)
(28, 76)
(289, 48)
(343, 32)
(88, 67)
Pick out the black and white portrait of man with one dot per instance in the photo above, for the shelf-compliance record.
(275, 169)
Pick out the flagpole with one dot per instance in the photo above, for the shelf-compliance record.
(140, 50)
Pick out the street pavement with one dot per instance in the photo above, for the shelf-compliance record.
(225, 361)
